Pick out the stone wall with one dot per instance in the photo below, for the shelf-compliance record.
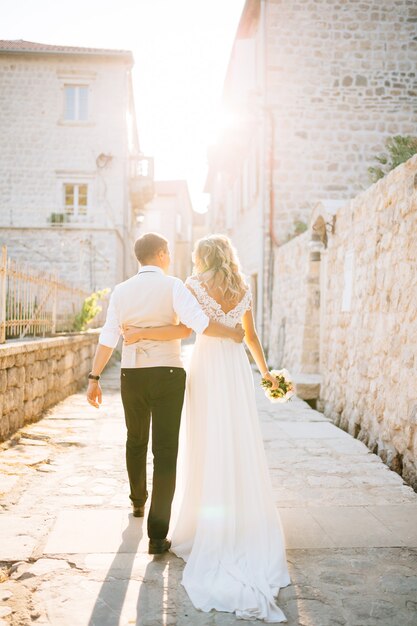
(87, 260)
(369, 353)
(35, 375)
(289, 319)
(247, 238)
(349, 315)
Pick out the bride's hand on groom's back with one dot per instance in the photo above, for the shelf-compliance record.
(239, 333)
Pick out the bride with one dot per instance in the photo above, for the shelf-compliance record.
(228, 529)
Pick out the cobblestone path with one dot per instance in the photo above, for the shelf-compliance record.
(72, 554)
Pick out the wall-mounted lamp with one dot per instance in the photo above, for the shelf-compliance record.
(103, 159)
(316, 244)
(140, 218)
(330, 226)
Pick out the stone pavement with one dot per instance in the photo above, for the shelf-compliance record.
(72, 554)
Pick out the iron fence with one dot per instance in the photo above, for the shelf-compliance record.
(37, 303)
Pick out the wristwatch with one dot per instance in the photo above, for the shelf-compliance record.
(92, 377)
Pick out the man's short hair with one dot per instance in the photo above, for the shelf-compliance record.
(148, 246)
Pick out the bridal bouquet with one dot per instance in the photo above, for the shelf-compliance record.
(286, 388)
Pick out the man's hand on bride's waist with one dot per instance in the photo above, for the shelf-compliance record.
(132, 334)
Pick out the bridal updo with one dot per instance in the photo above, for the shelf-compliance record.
(216, 262)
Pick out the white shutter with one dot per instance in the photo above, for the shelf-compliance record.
(70, 95)
(82, 103)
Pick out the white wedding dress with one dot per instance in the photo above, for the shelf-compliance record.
(227, 527)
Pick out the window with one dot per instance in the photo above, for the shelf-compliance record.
(76, 199)
(76, 103)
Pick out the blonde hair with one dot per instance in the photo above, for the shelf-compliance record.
(216, 259)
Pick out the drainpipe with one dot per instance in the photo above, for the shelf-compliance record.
(270, 238)
(273, 241)
(262, 165)
(127, 172)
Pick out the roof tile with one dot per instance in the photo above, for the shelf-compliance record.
(19, 45)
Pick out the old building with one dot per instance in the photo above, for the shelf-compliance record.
(72, 177)
(312, 91)
(171, 214)
(200, 225)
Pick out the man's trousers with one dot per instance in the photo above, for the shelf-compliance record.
(156, 392)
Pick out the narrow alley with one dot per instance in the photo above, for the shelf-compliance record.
(73, 555)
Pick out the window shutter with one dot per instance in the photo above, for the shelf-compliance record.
(70, 103)
(69, 192)
(83, 103)
(82, 199)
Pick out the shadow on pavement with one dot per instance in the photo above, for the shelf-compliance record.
(110, 600)
(154, 601)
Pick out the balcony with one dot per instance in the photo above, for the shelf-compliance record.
(58, 219)
(63, 219)
(141, 182)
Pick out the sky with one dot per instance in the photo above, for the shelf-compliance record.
(181, 50)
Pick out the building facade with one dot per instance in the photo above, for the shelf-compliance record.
(71, 171)
(312, 92)
(171, 214)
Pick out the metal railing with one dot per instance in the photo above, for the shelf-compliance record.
(37, 303)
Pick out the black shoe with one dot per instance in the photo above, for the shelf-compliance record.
(138, 511)
(158, 546)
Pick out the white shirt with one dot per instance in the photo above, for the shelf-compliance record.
(185, 305)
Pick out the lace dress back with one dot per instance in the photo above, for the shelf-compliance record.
(214, 310)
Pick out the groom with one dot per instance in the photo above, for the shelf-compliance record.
(152, 376)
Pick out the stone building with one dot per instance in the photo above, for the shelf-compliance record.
(171, 214)
(313, 90)
(201, 226)
(71, 171)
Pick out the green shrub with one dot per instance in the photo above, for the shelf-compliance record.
(299, 227)
(399, 150)
(89, 310)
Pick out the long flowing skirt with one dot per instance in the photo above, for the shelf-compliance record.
(227, 528)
